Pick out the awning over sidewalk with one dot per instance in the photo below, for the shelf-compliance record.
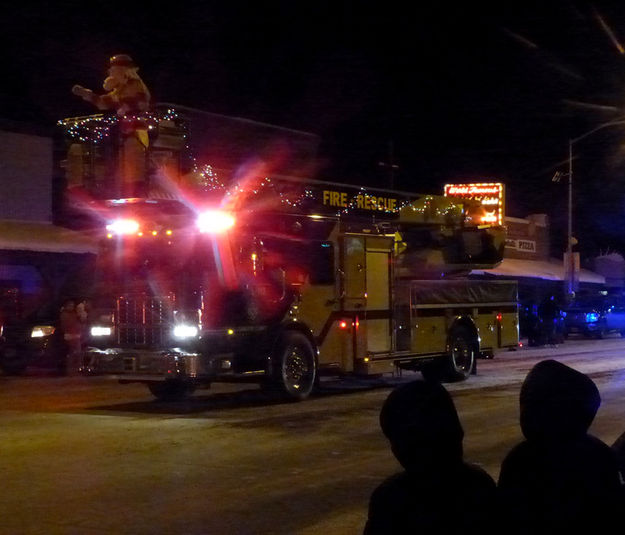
(43, 237)
(537, 269)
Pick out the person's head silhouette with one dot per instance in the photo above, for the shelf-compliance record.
(421, 423)
(557, 402)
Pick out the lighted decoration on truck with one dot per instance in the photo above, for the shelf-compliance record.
(489, 195)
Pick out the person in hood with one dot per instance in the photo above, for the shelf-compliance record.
(560, 479)
(437, 492)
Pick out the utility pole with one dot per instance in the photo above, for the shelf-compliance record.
(390, 165)
(570, 269)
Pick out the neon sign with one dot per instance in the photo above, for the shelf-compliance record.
(490, 197)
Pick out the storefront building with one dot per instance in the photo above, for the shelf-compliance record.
(527, 260)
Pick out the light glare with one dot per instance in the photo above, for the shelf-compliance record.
(100, 331)
(214, 221)
(185, 331)
(123, 226)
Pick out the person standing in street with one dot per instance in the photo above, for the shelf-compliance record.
(549, 313)
(71, 328)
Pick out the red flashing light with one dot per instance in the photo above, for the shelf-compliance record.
(343, 324)
(499, 317)
(214, 221)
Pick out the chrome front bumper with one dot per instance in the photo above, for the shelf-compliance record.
(143, 365)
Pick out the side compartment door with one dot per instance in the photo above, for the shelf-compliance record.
(353, 297)
(378, 278)
(353, 281)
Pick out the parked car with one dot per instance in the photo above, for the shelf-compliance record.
(32, 341)
(595, 318)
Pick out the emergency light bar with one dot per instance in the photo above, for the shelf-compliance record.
(123, 226)
(214, 221)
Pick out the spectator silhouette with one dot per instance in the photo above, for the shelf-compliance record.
(549, 312)
(437, 492)
(560, 479)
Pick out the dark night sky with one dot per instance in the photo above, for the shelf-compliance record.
(469, 92)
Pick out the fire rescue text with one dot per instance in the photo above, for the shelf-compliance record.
(360, 201)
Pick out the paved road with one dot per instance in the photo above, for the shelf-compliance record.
(88, 456)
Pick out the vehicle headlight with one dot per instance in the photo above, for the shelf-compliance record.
(592, 317)
(98, 330)
(39, 331)
(185, 331)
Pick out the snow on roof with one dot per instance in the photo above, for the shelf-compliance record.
(537, 269)
(616, 257)
(43, 237)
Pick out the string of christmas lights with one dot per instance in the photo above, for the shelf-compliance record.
(97, 128)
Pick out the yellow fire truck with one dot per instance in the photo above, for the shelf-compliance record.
(282, 280)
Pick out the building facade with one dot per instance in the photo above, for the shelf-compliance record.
(39, 261)
(527, 259)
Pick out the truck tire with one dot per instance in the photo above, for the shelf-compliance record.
(459, 362)
(294, 370)
(461, 358)
(171, 390)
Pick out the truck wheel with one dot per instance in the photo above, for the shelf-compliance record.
(172, 390)
(459, 362)
(461, 358)
(295, 366)
(13, 362)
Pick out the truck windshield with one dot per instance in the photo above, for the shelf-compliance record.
(181, 270)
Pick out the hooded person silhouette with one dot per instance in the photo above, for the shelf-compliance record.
(560, 479)
(437, 492)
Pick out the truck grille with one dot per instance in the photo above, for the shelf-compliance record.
(144, 321)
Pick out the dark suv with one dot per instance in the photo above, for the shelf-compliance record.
(594, 318)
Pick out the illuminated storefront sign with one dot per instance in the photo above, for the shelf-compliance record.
(489, 195)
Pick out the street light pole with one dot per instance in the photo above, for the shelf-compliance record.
(570, 273)
(569, 235)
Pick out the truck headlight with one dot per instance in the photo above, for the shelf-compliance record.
(39, 331)
(98, 330)
(185, 331)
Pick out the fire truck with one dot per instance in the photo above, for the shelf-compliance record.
(282, 280)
